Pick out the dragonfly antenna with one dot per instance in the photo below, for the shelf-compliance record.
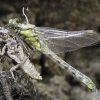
(25, 15)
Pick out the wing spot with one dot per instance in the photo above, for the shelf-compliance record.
(73, 72)
(66, 67)
(58, 62)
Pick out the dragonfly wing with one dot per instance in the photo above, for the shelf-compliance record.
(65, 41)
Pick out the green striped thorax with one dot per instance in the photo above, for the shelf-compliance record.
(25, 29)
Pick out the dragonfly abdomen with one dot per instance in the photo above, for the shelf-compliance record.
(78, 75)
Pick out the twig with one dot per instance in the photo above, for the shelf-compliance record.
(25, 15)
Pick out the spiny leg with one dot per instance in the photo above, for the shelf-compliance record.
(3, 50)
(21, 42)
(11, 54)
(27, 52)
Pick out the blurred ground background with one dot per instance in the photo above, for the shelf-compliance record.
(63, 14)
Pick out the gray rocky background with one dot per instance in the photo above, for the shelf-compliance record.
(63, 14)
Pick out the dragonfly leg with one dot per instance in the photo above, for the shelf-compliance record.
(16, 59)
(21, 42)
(3, 50)
(13, 69)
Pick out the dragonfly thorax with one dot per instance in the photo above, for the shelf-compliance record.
(26, 26)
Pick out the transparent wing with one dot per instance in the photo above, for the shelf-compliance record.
(60, 41)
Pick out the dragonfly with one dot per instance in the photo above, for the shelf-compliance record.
(51, 41)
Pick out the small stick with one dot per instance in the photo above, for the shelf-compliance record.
(25, 15)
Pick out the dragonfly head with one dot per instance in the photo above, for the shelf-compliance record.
(13, 23)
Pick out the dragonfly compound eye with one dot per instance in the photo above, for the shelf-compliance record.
(13, 23)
